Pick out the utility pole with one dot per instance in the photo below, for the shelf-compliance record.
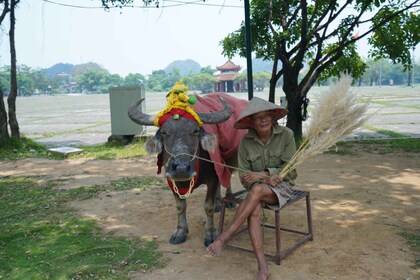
(248, 51)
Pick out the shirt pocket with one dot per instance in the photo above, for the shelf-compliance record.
(256, 161)
(275, 160)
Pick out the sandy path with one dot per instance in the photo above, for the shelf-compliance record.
(361, 203)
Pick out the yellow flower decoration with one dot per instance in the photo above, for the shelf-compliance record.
(178, 98)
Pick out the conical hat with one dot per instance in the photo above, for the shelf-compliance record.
(257, 105)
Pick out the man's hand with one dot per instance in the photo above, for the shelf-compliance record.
(274, 180)
(249, 178)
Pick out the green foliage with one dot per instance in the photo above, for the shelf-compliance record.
(88, 192)
(122, 3)
(136, 79)
(382, 146)
(385, 132)
(18, 148)
(42, 238)
(395, 38)
(172, 76)
(208, 70)
(350, 61)
(154, 82)
(261, 80)
(321, 32)
(413, 237)
(112, 150)
(97, 81)
(203, 82)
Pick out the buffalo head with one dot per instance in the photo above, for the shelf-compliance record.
(180, 139)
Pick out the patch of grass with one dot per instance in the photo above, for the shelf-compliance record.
(406, 145)
(340, 149)
(87, 192)
(72, 131)
(393, 104)
(15, 148)
(18, 148)
(413, 239)
(41, 238)
(112, 150)
(386, 132)
(383, 146)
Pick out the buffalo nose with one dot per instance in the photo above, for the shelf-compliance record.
(180, 168)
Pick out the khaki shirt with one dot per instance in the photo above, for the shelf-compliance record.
(254, 155)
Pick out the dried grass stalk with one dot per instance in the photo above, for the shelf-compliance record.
(337, 114)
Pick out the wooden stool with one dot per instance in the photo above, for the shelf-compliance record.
(297, 195)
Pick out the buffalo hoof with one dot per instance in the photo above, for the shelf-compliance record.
(179, 236)
(177, 239)
(218, 207)
(231, 205)
(210, 238)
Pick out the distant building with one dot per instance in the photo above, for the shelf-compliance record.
(226, 78)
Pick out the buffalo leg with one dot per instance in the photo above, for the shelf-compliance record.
(218, 201)
(210, 231)
(181, 232)
(229, 205)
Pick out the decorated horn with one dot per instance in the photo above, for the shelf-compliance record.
(139, 117)
(216, 117)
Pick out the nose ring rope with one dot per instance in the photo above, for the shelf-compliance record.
(192, 181)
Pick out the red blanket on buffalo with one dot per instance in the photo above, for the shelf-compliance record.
(228, 137)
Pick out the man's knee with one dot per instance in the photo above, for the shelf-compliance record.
(257, 190)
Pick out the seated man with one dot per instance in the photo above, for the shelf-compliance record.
(263, 152)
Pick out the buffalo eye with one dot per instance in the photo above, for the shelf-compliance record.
(196, 131)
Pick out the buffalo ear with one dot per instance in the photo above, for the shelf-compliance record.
(208, 141)
(154, 145)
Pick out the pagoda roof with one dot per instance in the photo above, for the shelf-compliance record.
(229, 65)
(226, 77)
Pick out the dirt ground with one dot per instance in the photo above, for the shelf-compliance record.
(361, 203)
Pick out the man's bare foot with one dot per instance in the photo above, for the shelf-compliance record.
(263, 274)
(216, 247)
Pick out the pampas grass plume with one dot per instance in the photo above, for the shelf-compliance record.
(337, 114)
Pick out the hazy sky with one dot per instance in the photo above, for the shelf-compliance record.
(131, 40)
(136, 40)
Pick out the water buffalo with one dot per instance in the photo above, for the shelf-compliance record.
(180, 143)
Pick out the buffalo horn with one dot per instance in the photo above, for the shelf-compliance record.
(216, 117)
(139, 117)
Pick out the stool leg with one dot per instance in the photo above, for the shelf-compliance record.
(309, 216)
(278, 240)
(222, 217)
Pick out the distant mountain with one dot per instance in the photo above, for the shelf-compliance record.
(80, 68)
(185, 67)
(58, 68)
(70, 69)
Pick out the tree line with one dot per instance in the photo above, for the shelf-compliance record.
(95, 79)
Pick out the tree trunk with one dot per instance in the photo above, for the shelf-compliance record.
(272, 90)
(290, 89)
(11, 100)
(4, 133)
(294, 121)
(410, 78)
